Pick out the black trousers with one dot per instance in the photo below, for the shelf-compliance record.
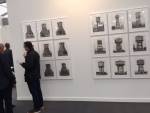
(35, 90)
(6, 100)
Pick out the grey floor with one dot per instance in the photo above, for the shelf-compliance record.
(84, 107)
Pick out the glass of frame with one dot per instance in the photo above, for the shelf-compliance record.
(44, 30)
(64, 70)
(60, 28)
(138, 19)
(100, 46)
(140, 66)
(62, 49)
(46, 50)
(120, 67)
(98, 24)
(119, 45)
(117, 22)
(29, 31)
(139, 43)
(48, 70)
(101, 68)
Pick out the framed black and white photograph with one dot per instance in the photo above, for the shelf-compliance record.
(119, 45)
(98, 22)
(101, 68)
(139, 43)
(44, 29)
(64, 69)
(29, 31)
(62, 49)
(99, 46)
(138, 19)
(48, 70)
(117, 22)
(140, 66)
(60, 28)
(36, 46)
(46, 50)
(120, 67)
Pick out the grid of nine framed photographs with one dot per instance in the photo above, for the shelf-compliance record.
(121, 44)
(50, 39)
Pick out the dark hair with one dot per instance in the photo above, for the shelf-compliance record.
(28, 44)
(7, 45)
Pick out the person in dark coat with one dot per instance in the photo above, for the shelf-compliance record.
(8, 52)
(6, 81)
(9, 55)
(32, 76)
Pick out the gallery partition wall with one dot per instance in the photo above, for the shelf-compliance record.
(90, 50)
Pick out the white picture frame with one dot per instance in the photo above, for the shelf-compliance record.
(139, 19)
(117, 22)
(120, 67)
(36, 46)
(62, 49)
(101, 68)
(119, 45)
(60, 28)
(48, 70)
(139, 43)
(140, 67)
(98, 24)
(29, 31)
(100, 46)
(44, 30)
(64, 69)
(46, 50)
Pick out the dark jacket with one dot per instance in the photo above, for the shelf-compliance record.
(8, 52)
(32, 66)
(5, 72)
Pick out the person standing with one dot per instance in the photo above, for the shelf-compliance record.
(6, 81)
(8, 53)
(32, 76)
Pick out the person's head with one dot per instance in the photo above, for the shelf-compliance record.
(7, 45)
(28, 46)
(1, 48)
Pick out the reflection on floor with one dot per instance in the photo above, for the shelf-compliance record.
(86, 107)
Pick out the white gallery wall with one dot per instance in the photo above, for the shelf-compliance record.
(5, 34)
(83, 86)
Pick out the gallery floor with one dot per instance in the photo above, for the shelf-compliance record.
(84, 107)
